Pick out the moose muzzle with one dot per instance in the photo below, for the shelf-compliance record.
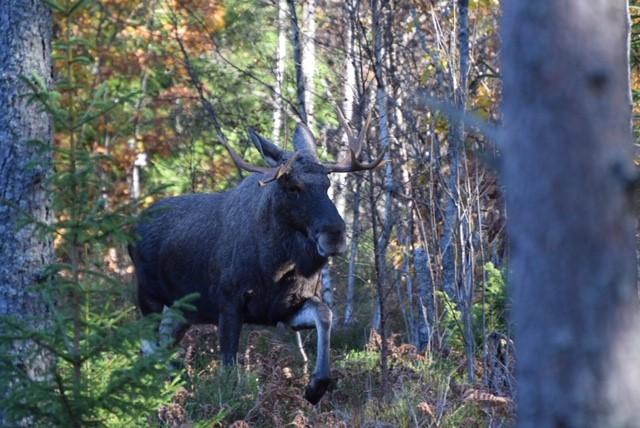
(330, 239)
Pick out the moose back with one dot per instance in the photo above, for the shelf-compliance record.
(253, 254)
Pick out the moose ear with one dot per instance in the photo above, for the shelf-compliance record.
(303, 139)
(271, 153)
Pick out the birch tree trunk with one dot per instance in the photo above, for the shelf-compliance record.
(353, 257)
(382, 240)
(339, 181)
(281, 55)
(309, 56)
(349, 89)
(568, 173)
(25, 50)
(426, 305)
(455, 288)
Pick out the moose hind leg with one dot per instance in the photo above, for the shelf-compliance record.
(229, 328)
(315, 313)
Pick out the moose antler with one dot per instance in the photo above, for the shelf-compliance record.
(280, 170)
(351, 162)
(272, 173)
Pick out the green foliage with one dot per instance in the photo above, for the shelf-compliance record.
(494, 309)
(417, 388)
(89, 344)
(231, 391)
(496, 301)
(349, 338)
(465, 415)
(362, 359)
(184, 171)
(634, 11)
(398, 413)
(97, 380)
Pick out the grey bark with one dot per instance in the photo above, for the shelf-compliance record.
(353, 256)
(25, 50)
(405, 295)
(297, 58)
(567, 151)
(427, 315)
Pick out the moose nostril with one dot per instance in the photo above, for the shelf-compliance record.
(334, 230)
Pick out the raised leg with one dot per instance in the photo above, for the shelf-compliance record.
(315, 313)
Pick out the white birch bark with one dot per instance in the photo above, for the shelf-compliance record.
(281, 54)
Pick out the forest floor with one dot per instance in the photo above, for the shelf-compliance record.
(266, 388)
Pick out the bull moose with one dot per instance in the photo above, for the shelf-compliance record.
(254, 253)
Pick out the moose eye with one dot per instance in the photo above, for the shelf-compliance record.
(295, 187)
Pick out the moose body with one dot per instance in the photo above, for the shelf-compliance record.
(233, 250)
(253, 254)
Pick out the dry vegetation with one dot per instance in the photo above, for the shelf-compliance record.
(266, 388)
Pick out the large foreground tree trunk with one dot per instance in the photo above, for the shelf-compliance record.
(25, 50)
(568, 175)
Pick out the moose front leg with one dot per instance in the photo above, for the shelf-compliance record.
(315, 313)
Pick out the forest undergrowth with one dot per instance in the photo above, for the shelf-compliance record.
(266, 388)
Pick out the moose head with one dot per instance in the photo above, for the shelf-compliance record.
(301, 183)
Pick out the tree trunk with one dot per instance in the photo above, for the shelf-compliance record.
(427, 316)
(453, 282)
(568, 174)
(353, 256)
(382, 239)
(281, 55)
(297, 59)
(309, 56)
(25, 51)
(349, 89)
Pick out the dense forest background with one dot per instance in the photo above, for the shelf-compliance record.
(140, 97)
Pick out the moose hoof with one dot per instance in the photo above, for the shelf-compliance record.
(316, 389)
